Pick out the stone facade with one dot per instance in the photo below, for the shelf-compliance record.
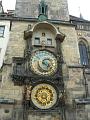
(72, 79)
(72, 76)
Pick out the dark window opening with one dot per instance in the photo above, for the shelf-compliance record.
(83, 53)
(37, 41)
(6, 111)
(49, 41)
(19, 64)
(43, 10)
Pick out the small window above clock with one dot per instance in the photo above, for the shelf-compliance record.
(49, 41)
(37, 41)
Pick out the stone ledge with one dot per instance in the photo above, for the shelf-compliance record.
(7, 101)
(82, 101)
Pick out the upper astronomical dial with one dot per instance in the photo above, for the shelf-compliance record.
(43, 63)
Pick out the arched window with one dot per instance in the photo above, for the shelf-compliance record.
(43, 10)
(83, 53)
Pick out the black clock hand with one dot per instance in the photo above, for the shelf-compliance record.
(45, 63)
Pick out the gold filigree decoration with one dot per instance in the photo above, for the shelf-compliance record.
(44, 96)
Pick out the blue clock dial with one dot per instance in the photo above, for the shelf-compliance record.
(43, 63)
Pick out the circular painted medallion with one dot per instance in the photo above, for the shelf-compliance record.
(44, 96)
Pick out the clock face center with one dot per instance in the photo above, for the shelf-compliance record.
(45, 64)
(44, 95)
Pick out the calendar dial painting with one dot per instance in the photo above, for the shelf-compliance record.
(44, 96)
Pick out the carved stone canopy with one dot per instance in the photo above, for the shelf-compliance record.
(58, 35)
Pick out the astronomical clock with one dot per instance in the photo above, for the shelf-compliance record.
(43, 64)
(42, 77)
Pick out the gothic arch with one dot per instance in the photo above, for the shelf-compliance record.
(81, 39)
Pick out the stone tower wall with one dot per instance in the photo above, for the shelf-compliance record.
(57, 9)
